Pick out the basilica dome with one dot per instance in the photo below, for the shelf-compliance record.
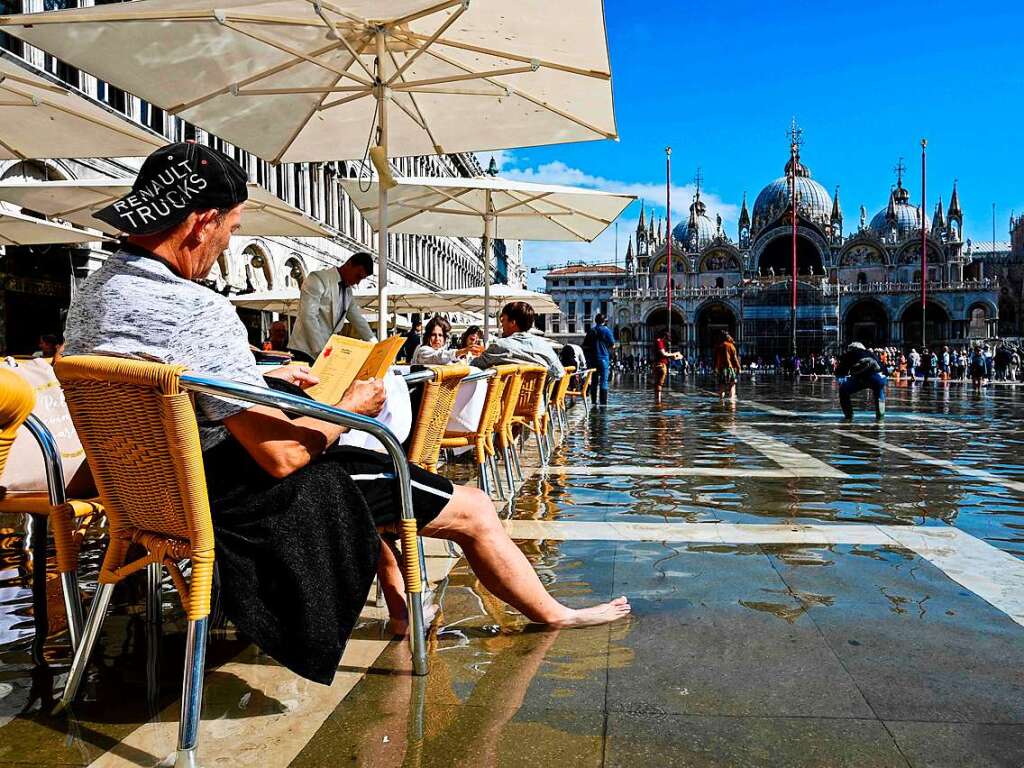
(899, 214)
(814, 203)
(696, 232)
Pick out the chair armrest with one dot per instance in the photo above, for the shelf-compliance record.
(302, 406)
(418, 377)
(51, 459)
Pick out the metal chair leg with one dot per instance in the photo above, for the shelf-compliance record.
(541, 444)
(36, 534)
(154, 629)
(97, 612)
(492, 466)
(517, 463)
(192, 693)
(72, 606)
(508, 462)
(414, 602)
(483, 481)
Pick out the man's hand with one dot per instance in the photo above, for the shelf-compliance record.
(365, 397)
(300, 375)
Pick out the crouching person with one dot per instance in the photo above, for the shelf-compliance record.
(857, 370)
(296, 517)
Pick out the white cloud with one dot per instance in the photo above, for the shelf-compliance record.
(502, 158)
(558, 172)
(602, 250)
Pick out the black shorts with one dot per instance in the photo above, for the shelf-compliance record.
(374, 475)
(235, 481)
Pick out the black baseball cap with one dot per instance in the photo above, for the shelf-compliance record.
(173, 182)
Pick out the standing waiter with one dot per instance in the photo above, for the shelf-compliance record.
(326, 304)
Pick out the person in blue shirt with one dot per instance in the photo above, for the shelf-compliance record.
(597, 346)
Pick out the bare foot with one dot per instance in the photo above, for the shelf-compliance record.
(590, 617)
(399, 625)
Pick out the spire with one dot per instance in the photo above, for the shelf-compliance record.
(744, 213)
(939, 219)
(629, 250)
(902, 195)
(890, 210)
(954, 202)
(641, 226)
(837, 212)
(658, 240)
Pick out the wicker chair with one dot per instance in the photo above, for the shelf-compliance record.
(70, 517)
(482, 438)
(138, 426)
(503, 436)
(435, 409)
(556, 406)
(529, 411)
(584, 378)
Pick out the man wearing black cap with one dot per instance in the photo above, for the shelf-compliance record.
(295, 515)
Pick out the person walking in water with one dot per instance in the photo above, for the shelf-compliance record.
(662, 357)
(597, 346)
(857, 370)
(727, 367)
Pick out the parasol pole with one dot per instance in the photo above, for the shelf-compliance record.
(488, 239)
(383, 246)
(792, 196)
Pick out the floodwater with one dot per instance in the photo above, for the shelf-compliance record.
(755, 653)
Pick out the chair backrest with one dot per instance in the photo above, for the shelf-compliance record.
(509, 399)
(435, 410)
(563, 385)
(17, 399)
(530, 404)
(141, 439)
(494, 400)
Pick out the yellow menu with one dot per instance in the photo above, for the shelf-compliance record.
(344, 360)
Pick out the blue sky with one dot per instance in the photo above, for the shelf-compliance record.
(865, 80)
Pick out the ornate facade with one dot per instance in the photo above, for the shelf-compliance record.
(863, 285)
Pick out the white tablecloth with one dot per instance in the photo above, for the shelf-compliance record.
(396, 415)
(469, 406)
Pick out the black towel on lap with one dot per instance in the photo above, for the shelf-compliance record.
(296, 556)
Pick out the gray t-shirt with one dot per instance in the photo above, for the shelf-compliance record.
(134, 305)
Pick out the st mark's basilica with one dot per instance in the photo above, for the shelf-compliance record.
(855, 283)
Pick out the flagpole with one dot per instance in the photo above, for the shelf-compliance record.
(924, 245)
(668, 221)
(792, 192)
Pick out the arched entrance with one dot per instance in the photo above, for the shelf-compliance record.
(711, 320)
(936, 323)
(657, 322)
(867, 323)
(777, 257)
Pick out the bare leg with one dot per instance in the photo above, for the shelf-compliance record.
(470, 521)
(389, 575)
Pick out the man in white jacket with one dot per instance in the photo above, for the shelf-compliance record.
(326, 304)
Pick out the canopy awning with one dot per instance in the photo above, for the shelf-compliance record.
(76, 200)
(19, 229)
(41, 118)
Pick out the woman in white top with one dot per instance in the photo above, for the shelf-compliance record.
(435, 350)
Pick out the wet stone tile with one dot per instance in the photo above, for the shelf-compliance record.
(748, 742)
(960, 745)
(739, 660)
(920, 646)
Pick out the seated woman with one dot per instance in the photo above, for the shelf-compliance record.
(471, 337)
(436, 350)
